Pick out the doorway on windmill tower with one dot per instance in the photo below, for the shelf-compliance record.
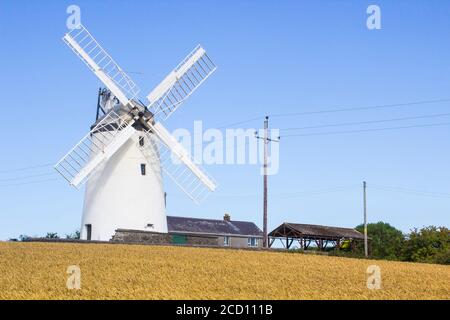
(88, 231)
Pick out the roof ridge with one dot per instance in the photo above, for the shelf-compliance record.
(212, 226)
(319, 225)
(231, 221)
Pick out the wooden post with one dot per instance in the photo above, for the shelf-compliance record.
(366, 248)
(266, 136)
(266, 140)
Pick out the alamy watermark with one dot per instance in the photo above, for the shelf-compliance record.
(74, 19)
(374, 278)
(373, 21)
(234, 146)
(74, 280)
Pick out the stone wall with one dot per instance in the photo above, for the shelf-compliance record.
(201, 240)
(136, 236)
(148, 237)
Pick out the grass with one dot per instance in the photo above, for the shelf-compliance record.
(38, 271)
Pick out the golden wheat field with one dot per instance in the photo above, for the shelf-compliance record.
(38, 271)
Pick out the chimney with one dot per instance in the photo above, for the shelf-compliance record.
(226, 217)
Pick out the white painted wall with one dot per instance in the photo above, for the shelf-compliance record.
(118, 196)
(239, 242)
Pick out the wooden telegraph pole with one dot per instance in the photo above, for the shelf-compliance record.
(366, 248)
(266, 142)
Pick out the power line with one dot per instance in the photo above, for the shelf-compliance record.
(27, 168)
(240, 122)
(27, 177)
(285, 136)
(295, 193)
(366, 130)
(336, 189)
(411, 191)
(200, 144)
(368, 122)
(334, 110)
(317, 112)
(27, 183)
(383, 106)
(317, 192)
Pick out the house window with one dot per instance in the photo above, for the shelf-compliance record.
(226, 241)
(141, 141)
(143, 169)
(252, 242)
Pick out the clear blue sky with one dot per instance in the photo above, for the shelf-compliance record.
(273, 57)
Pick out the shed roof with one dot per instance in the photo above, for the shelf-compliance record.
(210, 226)
(297, 230)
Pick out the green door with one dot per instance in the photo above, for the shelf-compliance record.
(179, 239)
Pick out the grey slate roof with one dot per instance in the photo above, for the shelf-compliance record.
(210, 226)
(311, 230)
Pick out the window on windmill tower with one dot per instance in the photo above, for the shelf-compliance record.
(141, 141)
(143, 169)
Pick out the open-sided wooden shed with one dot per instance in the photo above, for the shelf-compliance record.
(323, 236)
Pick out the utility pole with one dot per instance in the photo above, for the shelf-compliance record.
(366, 249)
(266, 143)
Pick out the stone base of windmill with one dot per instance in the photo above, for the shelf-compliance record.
(148, 237)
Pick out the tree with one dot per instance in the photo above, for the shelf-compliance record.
(24, 237)
(74, 236)
(385, 241)
(52, 235)
(429, 244)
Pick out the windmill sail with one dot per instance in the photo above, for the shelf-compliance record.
(100, 62)
(169, 154)
(180, 83)
(113, 131)
(97, 146)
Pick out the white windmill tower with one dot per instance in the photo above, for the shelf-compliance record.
(123, 156)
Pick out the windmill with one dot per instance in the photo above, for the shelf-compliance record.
(127, 150)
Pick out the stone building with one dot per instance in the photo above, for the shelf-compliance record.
(226, 232)
(198, 231)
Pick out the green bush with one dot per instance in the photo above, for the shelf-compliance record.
(429, 244)
(386, 242)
